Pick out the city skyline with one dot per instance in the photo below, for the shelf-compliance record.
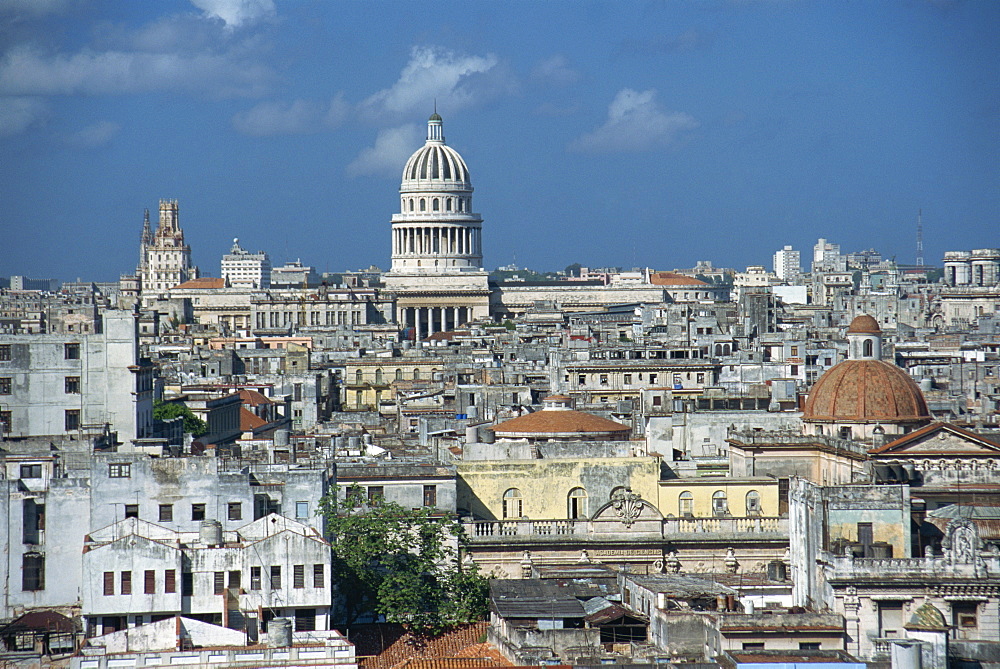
(628, 138)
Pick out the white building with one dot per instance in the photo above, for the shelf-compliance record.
(242, 269)
(137, 572)
(64, 384)
(165, 260)
(826, 256)
(437, 254)
(787, 264)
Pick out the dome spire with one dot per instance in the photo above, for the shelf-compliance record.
(435, 133)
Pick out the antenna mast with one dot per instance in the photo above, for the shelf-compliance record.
(920, 238)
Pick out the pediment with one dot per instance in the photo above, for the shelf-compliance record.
(939, 439)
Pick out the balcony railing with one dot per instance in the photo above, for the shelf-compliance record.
(484, 531)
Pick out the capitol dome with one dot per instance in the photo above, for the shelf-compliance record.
(865, 393)
(435, 164)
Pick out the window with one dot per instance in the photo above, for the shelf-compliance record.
(119, 470)
(652, 379)
(149, 582)
(305, 620)
(299, 576)
(866, 348)
(72, 384)
(628, 379)
(71, 351)
(275, 577)
(31, 471)
(794, 352)
(197, 512)
(359, 377)
(604, 379)
(32, 571)
(753, 503)
(235, 510)
(720, 504)
(166, 513)
(187, 584)
(399, 375)
(512, 507)
(577, 503)
(810, 645)
(5, 386)
(255, 578)
(126, 582)
(109, 583)
(318, 576)
(131, 510)
(72, 419)
(235, 579)
(700, 378)
(218, 582)
(430, 495)
(793, 370)
(302, 510)
(753, 645)
(416, 374)
(169, 581)
(4, 352)
(657, 401)
(5, 422)
(685, 504)
(582, 379)
(890, 619)
(376, 494)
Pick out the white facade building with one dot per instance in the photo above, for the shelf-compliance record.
(437, 254)
(165, 260)
(242, 269)
(787, 264)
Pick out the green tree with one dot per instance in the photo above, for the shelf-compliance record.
(167, 410)
(403, 564)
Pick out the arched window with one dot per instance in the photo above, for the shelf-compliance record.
(720, 505)
(416, 374)
(753, 503)
(512, 507)
(399, 375)
(436, 204)
(423, 204)
(447, 204)
(378, 376)
(718, 349)
(685, 504)
(461, 206)
(359, 377)
(577, 503)
(866, 348)
(411, 204)
(726, 350)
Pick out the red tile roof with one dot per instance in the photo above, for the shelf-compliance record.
(674, 279)
(204, 283)
(249, 420)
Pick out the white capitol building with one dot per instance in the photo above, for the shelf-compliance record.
(437, 275)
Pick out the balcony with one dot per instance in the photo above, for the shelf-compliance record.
(671, 529)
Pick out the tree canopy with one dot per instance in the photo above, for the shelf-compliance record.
(404, 564)
(167, 410)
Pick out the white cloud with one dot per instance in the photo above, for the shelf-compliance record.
(94, 135)
(298, 117)
(393, 147)
(27, 71)
(236, 12)
(19, 114)
(455, 81)
(636, 122)
(555, 70)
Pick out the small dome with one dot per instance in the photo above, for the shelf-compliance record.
(864, 324)
(866, 391)
(435, 117)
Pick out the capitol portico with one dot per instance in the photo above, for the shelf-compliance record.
(437, 275)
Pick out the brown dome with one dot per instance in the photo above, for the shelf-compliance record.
(562, 422)
(864, 324)
(867, 391)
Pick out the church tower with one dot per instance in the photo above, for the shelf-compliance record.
(166, 260)
(437, 274)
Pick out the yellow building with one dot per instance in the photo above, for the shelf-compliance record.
(551, 488)
(367, 382)
(719, 497)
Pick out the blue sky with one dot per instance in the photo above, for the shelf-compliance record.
(607, 133)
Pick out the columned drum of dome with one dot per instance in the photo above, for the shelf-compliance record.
(437, 253)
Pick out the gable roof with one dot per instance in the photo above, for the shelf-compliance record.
(204, 283)
(249, 420)
(919, 443)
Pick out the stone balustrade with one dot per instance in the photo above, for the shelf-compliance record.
(486, 531)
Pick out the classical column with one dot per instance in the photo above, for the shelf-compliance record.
(416, 324)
